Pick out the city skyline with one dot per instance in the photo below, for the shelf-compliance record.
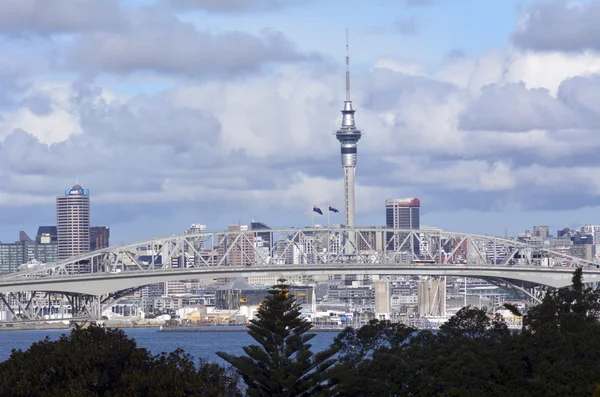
(488, 114)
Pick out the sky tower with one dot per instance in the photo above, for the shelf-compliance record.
(348, 135)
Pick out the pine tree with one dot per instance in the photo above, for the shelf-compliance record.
(282, 363)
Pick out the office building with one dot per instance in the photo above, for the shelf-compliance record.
(73, 224)
(237, 249)
(197, 241)
(265, 236)
(402, 213)
(99, 237)
(47, 235)
(23, 251)
(541, 231)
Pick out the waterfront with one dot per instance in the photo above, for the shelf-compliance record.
(199, 344)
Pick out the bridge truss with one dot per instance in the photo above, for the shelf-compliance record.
(280, 249)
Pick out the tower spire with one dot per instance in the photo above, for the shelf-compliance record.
(348, 136)
(347, 68)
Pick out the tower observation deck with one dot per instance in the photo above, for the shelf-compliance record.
(348, 135)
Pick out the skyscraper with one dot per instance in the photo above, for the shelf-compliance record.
(73, 222)
(99, 237)
(348, 135)
(402, 213)
(197, 242)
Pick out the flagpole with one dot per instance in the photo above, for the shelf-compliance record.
(328, 213)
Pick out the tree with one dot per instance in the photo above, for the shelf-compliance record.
(358, 372)
(98, 361)
(474, 323)
(561, 342)
(282, 363)
(358, 344)
(470, 355)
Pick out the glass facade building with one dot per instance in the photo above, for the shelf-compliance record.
(13, 255)
(402, 214)
(99, 237)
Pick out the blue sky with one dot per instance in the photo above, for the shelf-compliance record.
(175, 112)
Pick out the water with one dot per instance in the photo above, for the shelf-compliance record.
(199, 344)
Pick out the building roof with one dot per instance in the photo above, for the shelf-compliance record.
(77, 186)
(51, 230)
(238, 283)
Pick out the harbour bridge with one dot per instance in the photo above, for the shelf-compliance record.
(94, 281)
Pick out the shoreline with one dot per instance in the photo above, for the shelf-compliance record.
(61, 327)
(232, 329)
(158, 327)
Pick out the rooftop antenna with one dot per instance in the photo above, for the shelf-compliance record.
(347, 69)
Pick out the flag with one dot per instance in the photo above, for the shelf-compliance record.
(317, 210)
(333, 209)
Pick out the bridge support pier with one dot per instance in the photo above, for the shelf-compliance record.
(37, 306)
(19, 304)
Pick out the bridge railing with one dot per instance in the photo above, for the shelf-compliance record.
(307, 246)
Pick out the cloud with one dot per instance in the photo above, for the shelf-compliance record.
(45, 109)
(505, 129)
(157, 42)
(110, 37)
(514, 108)
(40, 17)
(581, 93)
(232, 6)
(559, 26)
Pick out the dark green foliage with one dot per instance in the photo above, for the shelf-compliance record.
(473, 323)
(356, 345)
(354, 373)
(561, 341)
(282, 363)
(557, 353)
(98, 361)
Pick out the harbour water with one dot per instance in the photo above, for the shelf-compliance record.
(199, 344)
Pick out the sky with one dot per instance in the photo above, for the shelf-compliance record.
(219, 112)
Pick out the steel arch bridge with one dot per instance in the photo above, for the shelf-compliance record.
(95, 280)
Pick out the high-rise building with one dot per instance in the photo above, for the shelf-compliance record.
(541, 231)
(73, 222)
(47, 235)
(266, 235)
(348, 135)
(13, 255)
(402, 213)
(196, 243)
(238, 249)
(99, 237)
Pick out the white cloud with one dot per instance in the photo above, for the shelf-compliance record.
(55, 125)
(510, 127)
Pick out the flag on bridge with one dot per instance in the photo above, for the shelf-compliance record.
(317, 210)
(334, 210)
